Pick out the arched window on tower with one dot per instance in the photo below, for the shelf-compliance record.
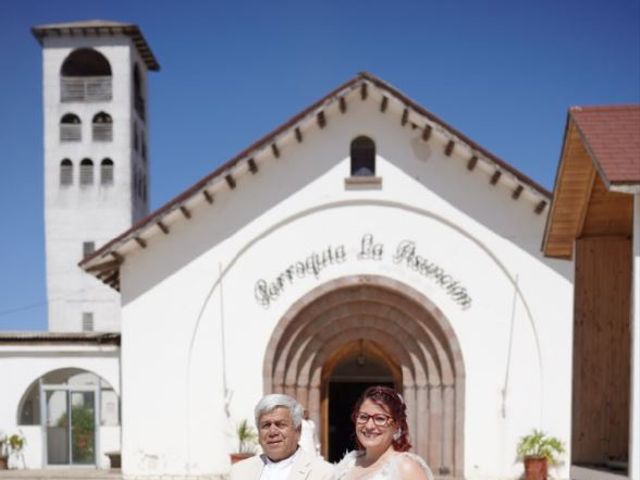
(85, 77)
(363, 157)
(86, 172)
(102, 127)
(70, 128)
(66, 172)
(138, 97)
(106, 172)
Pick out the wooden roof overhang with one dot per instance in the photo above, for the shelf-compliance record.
(105, 262)
(99, 28)
(585, 203)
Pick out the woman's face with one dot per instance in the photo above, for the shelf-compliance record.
(374, 426)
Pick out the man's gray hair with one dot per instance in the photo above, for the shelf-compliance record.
(270, 402)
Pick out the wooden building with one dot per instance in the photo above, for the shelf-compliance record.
(595, 220)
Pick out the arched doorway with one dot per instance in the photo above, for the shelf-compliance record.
(71, 405)
(346, 374)
(406, 340)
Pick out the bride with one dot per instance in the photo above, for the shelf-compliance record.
(382, 436)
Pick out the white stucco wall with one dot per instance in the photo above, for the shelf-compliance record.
(75, 214)
(22, 365)
(181, 292)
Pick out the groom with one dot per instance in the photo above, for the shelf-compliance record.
(279, 422)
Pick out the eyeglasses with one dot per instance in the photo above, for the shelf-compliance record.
(379, 419)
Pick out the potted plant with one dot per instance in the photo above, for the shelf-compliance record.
(8, 446)
(538, 451)
(247, 438)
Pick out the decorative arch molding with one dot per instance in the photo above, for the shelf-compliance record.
(411, 333)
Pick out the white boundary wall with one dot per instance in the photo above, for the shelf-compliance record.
(21, 365)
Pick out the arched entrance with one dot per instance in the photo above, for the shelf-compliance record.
(402, 337)
(71, 405)
(345, 375)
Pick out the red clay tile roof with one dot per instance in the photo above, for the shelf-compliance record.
(612, 137)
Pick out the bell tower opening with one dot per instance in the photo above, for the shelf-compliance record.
(349, 372)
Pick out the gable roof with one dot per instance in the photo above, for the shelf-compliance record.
(104, 263)
(612, 137)
(99, 28)
(600, 161)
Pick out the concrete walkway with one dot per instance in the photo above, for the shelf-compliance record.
(61, 474)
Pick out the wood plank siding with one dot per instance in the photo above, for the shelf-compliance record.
(601, 355)
(608, 213)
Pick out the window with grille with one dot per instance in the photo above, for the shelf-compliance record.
(102, 127)
(85, 76)
(66, 172)
(363, 157)
(87, 322)
(138, 97)
(88, 248)
(86, 172)
(70, 128)
(106, 172)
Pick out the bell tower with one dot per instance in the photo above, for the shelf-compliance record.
(96, 159)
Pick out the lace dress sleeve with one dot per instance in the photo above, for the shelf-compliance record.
(344, 466)
(394, 473)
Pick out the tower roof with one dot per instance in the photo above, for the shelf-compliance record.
(99, 28)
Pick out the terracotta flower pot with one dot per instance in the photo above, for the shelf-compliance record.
(535, 468)
(236, 457)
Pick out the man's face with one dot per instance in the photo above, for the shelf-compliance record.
(278, 437)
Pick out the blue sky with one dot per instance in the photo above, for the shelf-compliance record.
(502, 72)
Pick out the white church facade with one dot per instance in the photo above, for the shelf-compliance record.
(363, 241)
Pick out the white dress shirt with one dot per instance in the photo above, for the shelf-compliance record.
(278, 470)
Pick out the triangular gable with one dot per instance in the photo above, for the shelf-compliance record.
(105, 262)
(600, 158)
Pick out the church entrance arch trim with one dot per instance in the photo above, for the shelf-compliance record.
(412, 332)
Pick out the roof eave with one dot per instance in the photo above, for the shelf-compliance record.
(128, 29)
(217, 176)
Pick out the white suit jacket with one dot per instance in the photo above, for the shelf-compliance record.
(306, 467)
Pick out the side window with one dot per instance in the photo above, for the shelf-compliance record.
(102, 127)
(88, 248)
(86, 172)
(70, 128)
(85, 77)
(138, 97)
(66, 172)
(135, 136)
(87, 322)
(106, 172)
(363, 157)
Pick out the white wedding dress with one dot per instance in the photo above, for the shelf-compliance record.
(389, 471)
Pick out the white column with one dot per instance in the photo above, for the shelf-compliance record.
(634, 434)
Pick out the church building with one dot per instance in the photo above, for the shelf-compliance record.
(363, 241)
